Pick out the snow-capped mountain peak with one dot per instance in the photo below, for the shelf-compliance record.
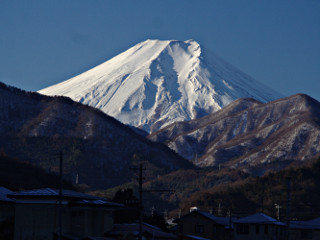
(156, 83)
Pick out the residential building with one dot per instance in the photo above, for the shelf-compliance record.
(259, 226)
(6, 204)
(305, 230)
(149, 232)
(205, 225)
(37, 215)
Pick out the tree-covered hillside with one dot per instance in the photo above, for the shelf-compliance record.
(264, 193)
(16, 175)
(225, 190)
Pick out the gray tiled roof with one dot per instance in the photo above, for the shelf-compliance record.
(196, 237)
(311, 224)
(218, 220)
(53, 193)
(98, 202)
(156, 232)
(3, 195)
(259, 218)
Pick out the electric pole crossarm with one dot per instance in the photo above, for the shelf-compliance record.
(141, 191)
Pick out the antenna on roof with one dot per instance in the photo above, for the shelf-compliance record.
(77, 179)
(219, 209)
(194, 209)
(277, 206)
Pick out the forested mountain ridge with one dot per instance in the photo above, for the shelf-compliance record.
(96, 147)
(248, 132)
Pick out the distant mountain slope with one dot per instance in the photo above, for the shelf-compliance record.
(249, 132)
(232, 189)
(16, 175)
(156, 83)
(97, 147)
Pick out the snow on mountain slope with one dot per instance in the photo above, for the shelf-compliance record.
(156, 83)
(96, 147)
(248, 132)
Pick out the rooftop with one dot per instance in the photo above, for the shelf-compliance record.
(154, 231)
(219, 220)
(259, 218)
(53, 193)
(311, 224)
(3, 195)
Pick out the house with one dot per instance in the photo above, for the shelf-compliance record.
(258, 226)
(190, 237)
(37, 215)
(305, 230)
(125, 231)
(6, 204)
(205, 225)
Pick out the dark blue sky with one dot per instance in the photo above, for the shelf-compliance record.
(275, 41)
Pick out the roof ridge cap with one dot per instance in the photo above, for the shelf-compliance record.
(51, 190)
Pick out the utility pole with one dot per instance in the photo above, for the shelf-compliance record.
(165, 214)
(219, 210)
(152, 211)
(140, 200)
(77, 179)
(277, 206)
(140, 179)
(60, 197)
(230, 222)
(288, 206)
(141, 191)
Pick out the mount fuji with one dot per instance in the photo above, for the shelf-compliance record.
(156, 83)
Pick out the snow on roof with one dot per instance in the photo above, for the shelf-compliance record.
(3, 195)
(259, 218)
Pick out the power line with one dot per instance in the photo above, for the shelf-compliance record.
(141, 191)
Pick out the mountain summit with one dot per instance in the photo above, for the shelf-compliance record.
(156, 83)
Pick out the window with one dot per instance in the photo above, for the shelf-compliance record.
(257, 229)
(199, 229)
(266, 229)
(243, 228)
